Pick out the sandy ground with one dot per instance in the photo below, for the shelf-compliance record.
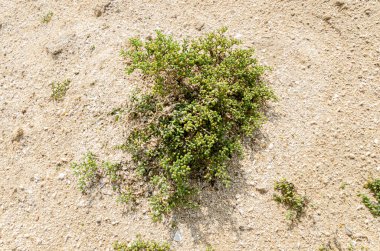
(322, 133)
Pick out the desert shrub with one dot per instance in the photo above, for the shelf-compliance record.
(374, 188)
(59, 89)
(200, 98)
(141, 245)
(288, 196)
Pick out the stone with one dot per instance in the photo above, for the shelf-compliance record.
(244, 228)
(98, 220)
(199, 26)
(83, 203)
(348, 231)
(101, 9)
(262, 187)
(351, 156)
(360, 207)
(61, 176)
(238, 36)
(56, 47)
(17, 135)
(177, 236)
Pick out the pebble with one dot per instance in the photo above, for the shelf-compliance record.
(348, 231)
(17, 135)
(98, 220)
(100, 9)
(351, 156)
(61, 176)
(54, 48)
(199, 26)
(64, 160)
(244, 228)
(238, 36)
(177, 236)
(83, 203)
(360, 207)
(262, 187)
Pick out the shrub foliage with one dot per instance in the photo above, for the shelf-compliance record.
(373, 206)
(289, 197)
(90, 171)
(200, 98)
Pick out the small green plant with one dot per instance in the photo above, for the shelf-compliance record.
(126, 197)
(117, 112)
(141, 245)
(289, 197)
(334, 244)
(343, 185)
(90, 171)
(374, 188)
(87, 172)
(209, 248)
(201, 98)
(47, 18)
(112, 171)
(59, 89)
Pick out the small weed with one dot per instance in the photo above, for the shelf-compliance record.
(117, 112)
(92, 48)
(209, 248)
(111, 171)
(47, 18)
(59, 89)
(90, 171)
(289, 197)
(334, 244)
(373, 206)
(87, 172)
(141, 245)
(126, 197)
(343, 185)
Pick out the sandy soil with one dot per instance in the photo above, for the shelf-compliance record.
(323, 132)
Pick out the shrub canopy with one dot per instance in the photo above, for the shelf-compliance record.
(201, 97)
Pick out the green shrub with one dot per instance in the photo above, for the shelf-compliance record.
(289, 197)
(373, 206)
(59, 89)
(141, 245)
(87, 172)
(200, 98)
